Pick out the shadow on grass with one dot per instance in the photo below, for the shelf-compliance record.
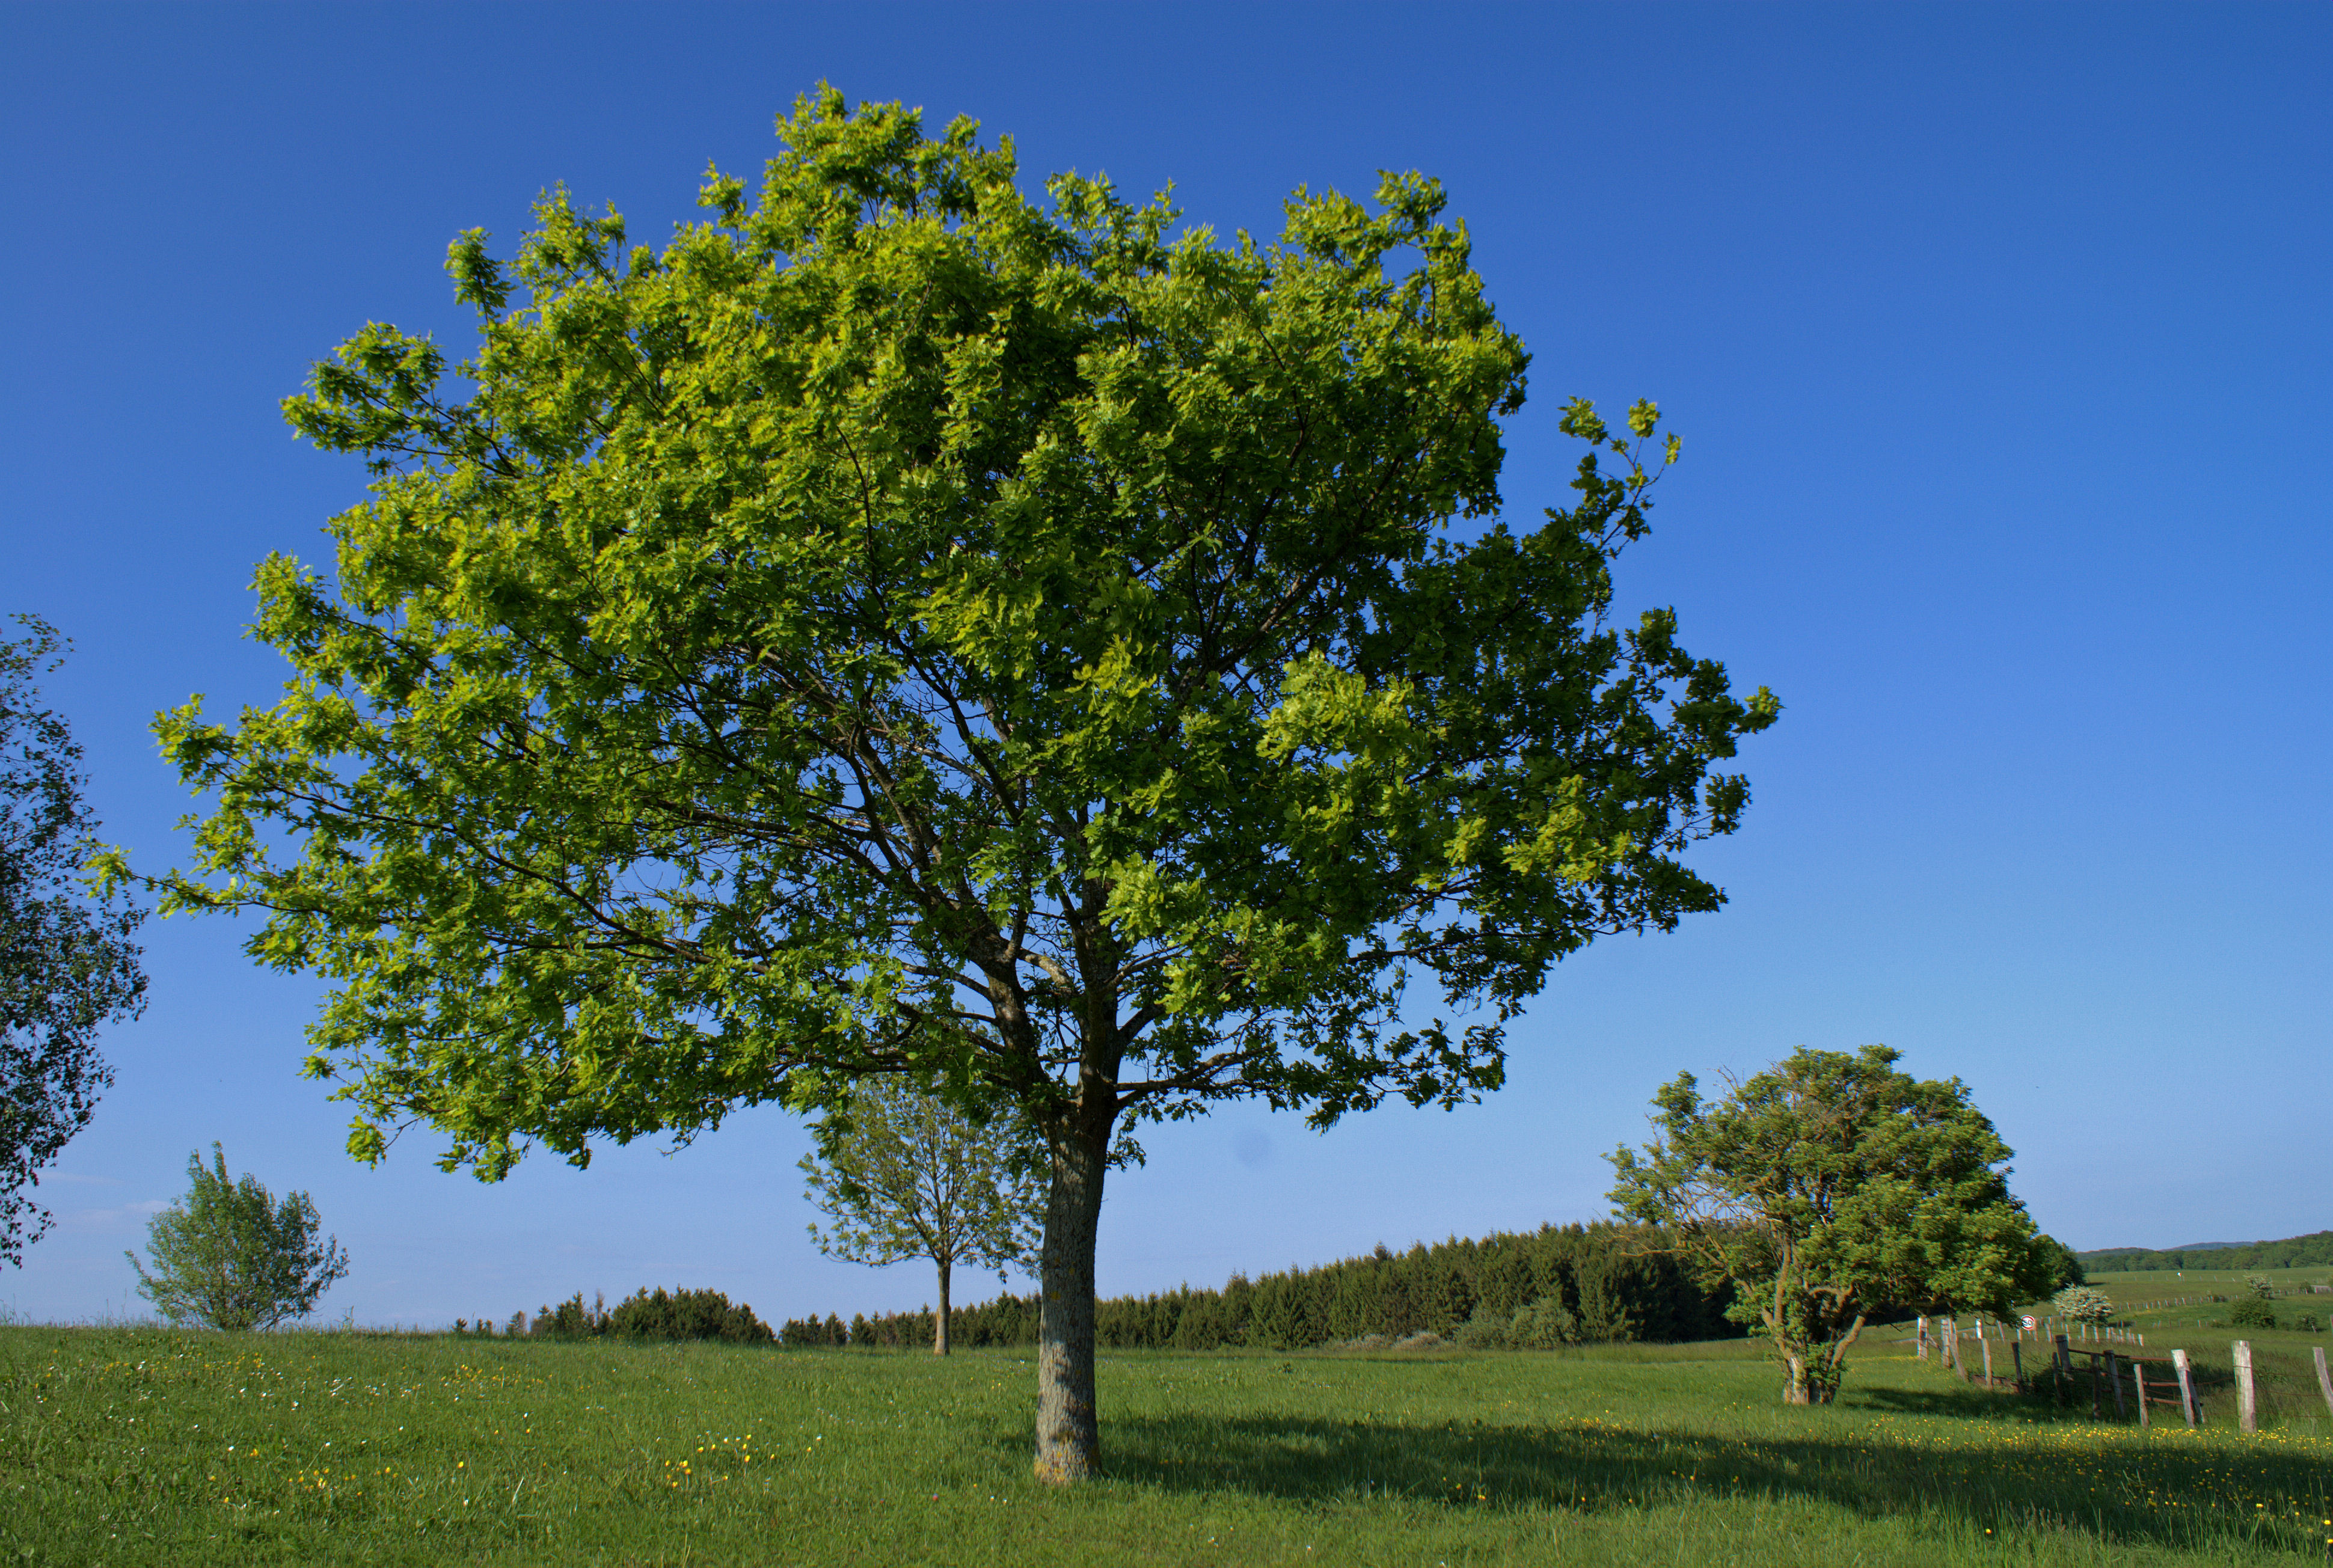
(1960, 1404)
(2030, 1473)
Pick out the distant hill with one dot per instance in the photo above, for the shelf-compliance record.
(2210, 1246)
(2309, 1251)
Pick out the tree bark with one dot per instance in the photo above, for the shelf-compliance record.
(939, 1319)
(1068, 1436)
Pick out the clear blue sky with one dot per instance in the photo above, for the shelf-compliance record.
(1998, 338)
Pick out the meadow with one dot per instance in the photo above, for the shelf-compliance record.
(142, 1445)
(2287, 1389)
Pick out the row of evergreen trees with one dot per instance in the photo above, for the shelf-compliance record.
(1559, 1284)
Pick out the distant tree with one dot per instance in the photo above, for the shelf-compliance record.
(2261, 1287)
(2083, 1304)
(67, 965)
(905, 1174)
(687, 1314)
(2059, 1266)
(228, 1255)
(1828, 1186)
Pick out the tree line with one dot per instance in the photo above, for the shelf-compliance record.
(2311, 1251)
(1577, 1284)
(645, 1314)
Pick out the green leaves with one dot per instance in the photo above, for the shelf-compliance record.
(900, 627)
(901, 1173)
(228, 1255)
(68, 966)
(1829, 1187)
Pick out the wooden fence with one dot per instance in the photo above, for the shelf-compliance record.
(2107, 1367)
(2044, 1330)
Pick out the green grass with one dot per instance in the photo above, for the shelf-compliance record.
(2286, 1377)
(146, 1445)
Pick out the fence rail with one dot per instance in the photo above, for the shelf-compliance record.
(1943, 1337)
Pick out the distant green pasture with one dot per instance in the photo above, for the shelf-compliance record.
(2288, 1390)
(147, 1445)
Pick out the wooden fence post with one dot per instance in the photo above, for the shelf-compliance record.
(2324, 1377)
(1985, 1345)
(2247, 1402)
(2139, 1377)
(1923, 1336)
(2114, 1377)
(2062, 1364)
(2017, 1363)
(2187, 1406)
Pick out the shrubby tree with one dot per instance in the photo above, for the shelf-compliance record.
(2252, 1311)
(901, 627)
(228, 1255)
(901, 1173)
(67, 965)
(1827, 1186)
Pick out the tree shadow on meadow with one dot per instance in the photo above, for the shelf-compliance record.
(1960, 1403)
(2026, 1474)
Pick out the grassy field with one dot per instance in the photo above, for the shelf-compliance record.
(2288, 1390)
(147, 1445)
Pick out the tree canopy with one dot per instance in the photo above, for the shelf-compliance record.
(901, 1173)
(902, 626)
(1830, 1187)
(228, 1255)
(67, 964)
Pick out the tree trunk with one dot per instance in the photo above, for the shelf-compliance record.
(1794, 1391)
(939, 1319)
(1068, 1438)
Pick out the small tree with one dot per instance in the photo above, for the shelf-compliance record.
(904, 1174)
(67, 965)
(2261, 1287)
(228, 1255)
(2083, 1304)
(1826, 1187)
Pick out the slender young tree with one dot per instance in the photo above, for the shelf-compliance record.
(901, 627)
(1830, 1186)
(67, 965)
(228, 1255)
(901, 1173)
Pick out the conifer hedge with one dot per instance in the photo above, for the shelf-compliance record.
(1578, 1283)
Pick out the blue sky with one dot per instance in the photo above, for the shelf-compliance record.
(1998, 338)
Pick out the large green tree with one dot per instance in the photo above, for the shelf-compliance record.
(901, 626)
(1827, 1187)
